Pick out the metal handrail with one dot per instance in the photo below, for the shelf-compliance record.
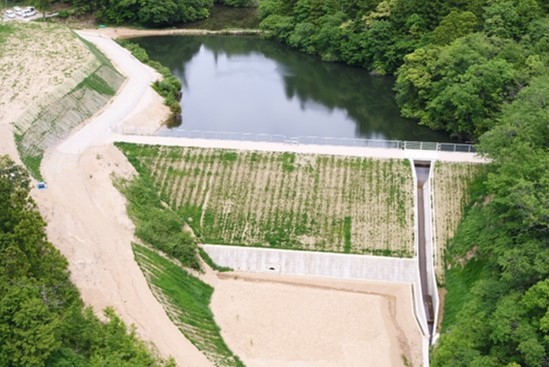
(311, 140)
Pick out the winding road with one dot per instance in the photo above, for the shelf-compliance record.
(87, 220)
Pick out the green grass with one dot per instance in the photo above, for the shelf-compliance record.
(157, 225)
(347, 234)
(288, 162)
(96, 83)
(189, 300)
(208, 260)
(98, 54)
(5, 31)
(459, 282)
(32, 162)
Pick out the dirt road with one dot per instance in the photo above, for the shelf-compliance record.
(87, 220)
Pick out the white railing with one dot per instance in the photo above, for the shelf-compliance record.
(305, 140)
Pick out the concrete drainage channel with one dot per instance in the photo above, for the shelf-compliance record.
(428, 288)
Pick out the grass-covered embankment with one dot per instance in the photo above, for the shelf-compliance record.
(156, 224)
(5, 31)
(188, 300)
(185, 297)
(452, 187)
(284, 200)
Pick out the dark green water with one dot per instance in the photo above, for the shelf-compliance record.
(245, 84)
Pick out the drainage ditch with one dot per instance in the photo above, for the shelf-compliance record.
(422, 173)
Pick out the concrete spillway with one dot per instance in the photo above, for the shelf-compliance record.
(422, 173)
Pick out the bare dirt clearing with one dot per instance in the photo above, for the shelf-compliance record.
(297, 321)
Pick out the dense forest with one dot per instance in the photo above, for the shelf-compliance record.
(497, 277)
(151, 13)
(42, 319)
(457, 62)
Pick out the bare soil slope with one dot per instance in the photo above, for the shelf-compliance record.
(39, 63)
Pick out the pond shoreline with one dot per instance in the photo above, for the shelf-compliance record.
(125, 32)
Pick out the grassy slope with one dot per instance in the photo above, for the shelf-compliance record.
(463, 267)
(5, 31)
(188, 301)
(185, 298)
(453, 184)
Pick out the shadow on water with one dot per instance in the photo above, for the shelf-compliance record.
(356, 103)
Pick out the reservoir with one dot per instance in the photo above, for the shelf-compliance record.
(249, 85)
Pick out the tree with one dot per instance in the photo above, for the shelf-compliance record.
(509, 19)
(42, 320)
(154, 13)
(453, 26)
(43, 6)
(510, 298)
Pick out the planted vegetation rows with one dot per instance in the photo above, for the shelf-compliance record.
(186, 300)
(452, 185)
(284, 200)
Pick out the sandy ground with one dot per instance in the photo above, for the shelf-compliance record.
(269, 322)
(274, 320)
(87, 221)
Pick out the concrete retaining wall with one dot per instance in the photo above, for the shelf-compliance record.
(419, 308)
(323, 264)
(430, 246)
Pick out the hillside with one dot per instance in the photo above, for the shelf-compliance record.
(59, 82)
